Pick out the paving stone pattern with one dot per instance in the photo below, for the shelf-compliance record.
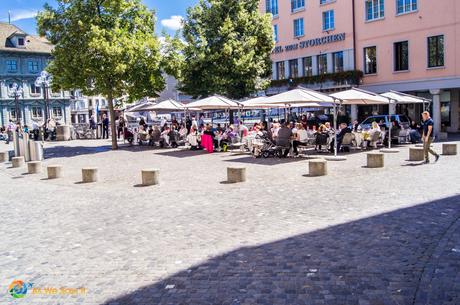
(361, 236)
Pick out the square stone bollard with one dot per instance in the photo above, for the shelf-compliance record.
(17, 161)
(317, 168)
(150, 177)
(375, 160)
(236, 174)
(54, 171)
(4, 156)
(449, 149)
(89, 174)
(416, 154)
(34, 167)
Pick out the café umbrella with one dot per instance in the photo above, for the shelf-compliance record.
(354, 96)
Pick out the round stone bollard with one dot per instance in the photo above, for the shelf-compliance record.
(375, 160)
(317, 168)
(416, 154)
(150, 177)
(89, 175)
(17, 161)
(236, 174)
(449, 149)
(54, 171)
(4, 156)
(34, 167)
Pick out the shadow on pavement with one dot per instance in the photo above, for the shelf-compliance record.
(73, 151)
(378, 260)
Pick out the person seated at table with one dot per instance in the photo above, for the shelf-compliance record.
(192, 138)
(219, 128)
(165, 136)
(344, 129)
(328, 127)
(274, 130)
(183, 132)
(301, 137)
(284, 138)
(414, 133)
(321, 137)
(355, 126)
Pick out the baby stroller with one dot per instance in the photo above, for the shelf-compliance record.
(267, 149)
(128, 136)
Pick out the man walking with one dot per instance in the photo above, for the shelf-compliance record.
(427, 137)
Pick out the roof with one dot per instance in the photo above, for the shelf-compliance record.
(34, 44)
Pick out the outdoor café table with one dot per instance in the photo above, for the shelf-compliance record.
(207, 143)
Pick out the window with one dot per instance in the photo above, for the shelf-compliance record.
(37, 113)
(272, 7)
(406, 6)
(322, 64)
(21, 41)
(13, 114)
(275, 32)
(297, 5)
(34, 89)
(307, 66)
(338, 61)
(370, 60)
(436, 51)
(326, 1)
(280, 70)
(375, 9)
(12, 65)
(298, 27)
(401, 55)
(57, 112)
(33, 66)
(293, 68)
(328, 20)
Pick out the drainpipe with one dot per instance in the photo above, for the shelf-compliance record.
(354, 34)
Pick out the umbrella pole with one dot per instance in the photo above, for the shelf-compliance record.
(335, 131)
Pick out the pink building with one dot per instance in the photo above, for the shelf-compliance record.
(405, 45)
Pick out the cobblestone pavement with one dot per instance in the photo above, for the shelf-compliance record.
(357, 236)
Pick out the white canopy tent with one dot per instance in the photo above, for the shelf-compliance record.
(215, 102)
(355, 96)
(141, 107)
(404, 98)
(166, 105)
(301, 97)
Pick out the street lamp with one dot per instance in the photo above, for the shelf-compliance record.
(17, 93)
(44, 81)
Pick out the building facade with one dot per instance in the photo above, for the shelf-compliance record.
(410, 46)
(22, 58)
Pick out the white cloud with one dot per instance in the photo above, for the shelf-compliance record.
(17, 15)
(174, 23)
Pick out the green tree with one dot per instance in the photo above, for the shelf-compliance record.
(105, 47)
(227, 48)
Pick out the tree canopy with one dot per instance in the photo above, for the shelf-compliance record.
(227, 48)
(106, 47)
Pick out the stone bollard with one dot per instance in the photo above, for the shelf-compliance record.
(54, 171)
(449, 149)
(17, 161)
(317, 168)
(34, 167)
(150, 177)
(236, 174)
(375, 160)
(89, 175)
(4, 156)
(416, 154)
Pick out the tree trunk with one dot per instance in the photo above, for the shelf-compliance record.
(112, 122)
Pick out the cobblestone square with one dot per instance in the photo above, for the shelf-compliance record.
(356, 236)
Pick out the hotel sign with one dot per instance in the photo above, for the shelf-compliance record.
(310, 43)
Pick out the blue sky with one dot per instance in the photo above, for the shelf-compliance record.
(23, 12)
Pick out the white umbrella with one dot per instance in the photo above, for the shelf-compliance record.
(141, 107)
(403, 98)
(215, 102)
(256, 103)
(302, 96)
(167, 105)
(356, 96)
